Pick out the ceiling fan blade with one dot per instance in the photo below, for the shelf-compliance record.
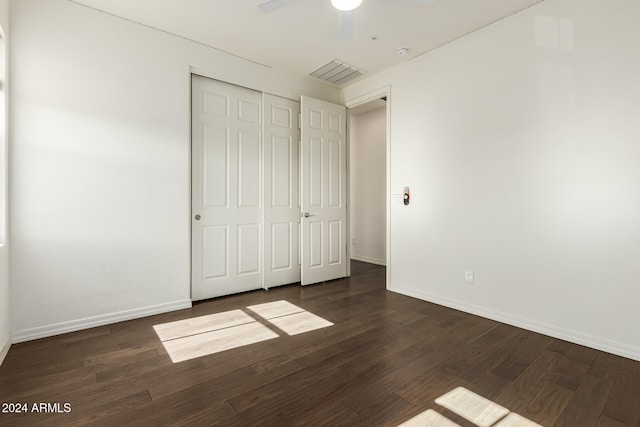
(271, 5)
(346, 23)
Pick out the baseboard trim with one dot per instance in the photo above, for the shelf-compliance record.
(543, 328)
(5, 349)
(92, 322)
(376, 261)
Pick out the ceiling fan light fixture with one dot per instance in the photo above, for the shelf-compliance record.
(346, 5)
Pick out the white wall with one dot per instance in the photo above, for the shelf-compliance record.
(5, 321)
(100, 164)
(520, 145)
(368, 177)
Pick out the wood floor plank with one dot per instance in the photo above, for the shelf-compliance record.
(605, 421)
(385, 360)
(529, 383)
(386, 410)
(374, 382)
(623, 403)
(586, 405)
(547, 406)
(132, 403)
(526, 348)
(495, 351)
(334, 414)
(42, 385)
(569, 374)
(605, 366)
(488, 386)
(309, 378)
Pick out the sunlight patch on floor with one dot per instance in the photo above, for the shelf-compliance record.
(192, 346)
(289, 318)
(472, 407)
(299, 323)
(269, 310)
(429, 418)
(515, 420)
(198, 325)
(200, 336)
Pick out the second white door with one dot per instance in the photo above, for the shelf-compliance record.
(281, 191)
(323, 196)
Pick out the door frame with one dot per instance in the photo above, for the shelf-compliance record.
(352, 103)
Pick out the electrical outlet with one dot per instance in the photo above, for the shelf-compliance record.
(469, 276)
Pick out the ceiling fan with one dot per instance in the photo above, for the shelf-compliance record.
(345, 8)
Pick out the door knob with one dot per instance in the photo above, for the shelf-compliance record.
(307, 215)
(197, 217)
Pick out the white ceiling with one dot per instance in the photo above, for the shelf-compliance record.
(305, 34)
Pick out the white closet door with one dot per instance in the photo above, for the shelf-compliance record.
(323, 180)
(226, 189)
(281, 192)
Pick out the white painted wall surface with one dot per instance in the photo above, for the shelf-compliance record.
(368, 176)
(5, 319)
(520, 145)
(100, 163)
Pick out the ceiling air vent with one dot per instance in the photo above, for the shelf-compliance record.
(336, 72)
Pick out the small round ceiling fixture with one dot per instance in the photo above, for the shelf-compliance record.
(346, 4)
(402, 51)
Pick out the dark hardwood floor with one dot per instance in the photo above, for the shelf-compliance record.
(385, 360)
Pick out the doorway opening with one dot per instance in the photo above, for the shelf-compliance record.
(368, 181)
